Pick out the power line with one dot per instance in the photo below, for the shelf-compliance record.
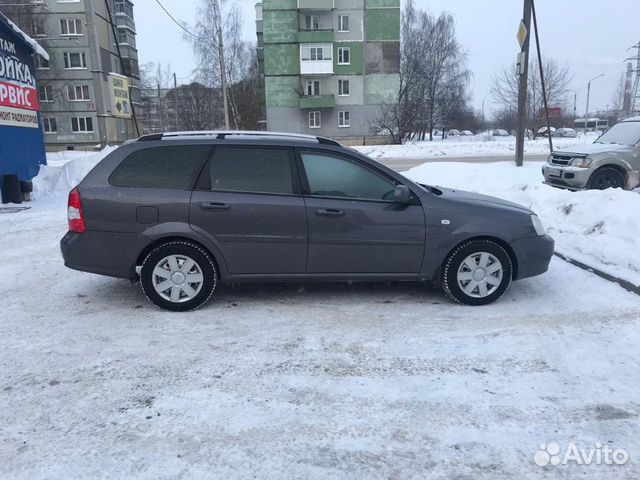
(176, 21)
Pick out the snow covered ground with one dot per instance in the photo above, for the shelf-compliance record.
(315, 381)
(473, 146)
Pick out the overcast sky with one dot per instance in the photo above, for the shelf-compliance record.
(592, 36)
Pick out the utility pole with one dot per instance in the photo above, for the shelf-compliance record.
(523, 71)
(542, 84)
(176, 99)
(160, 115)
(586, 115)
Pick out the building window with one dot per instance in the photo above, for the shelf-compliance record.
(313, 87)
(314, 120)
(70, 26)
(124, 7)
(344, 119)
(343, 88)
(81, 124)
(344, 56)
(78, 93)
(49, 125)
(343, 23)
(41, 63)
(311, 52)
(38, 28)
(311, 22)
(75, 60)
(45, 93)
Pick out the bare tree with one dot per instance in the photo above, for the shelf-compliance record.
(433, 76)
(617, 97)
(557, 77)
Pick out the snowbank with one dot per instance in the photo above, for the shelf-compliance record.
(600, 228)
(476, 146)
(65, 170)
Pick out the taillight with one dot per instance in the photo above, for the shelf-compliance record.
(74, 213)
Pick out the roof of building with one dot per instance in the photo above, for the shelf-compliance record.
(35, 46)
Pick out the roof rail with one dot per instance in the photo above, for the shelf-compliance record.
(222, 134)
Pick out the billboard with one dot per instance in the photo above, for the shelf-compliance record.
(19, 104)
(119, 94)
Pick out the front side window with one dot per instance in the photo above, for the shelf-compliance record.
(344, 56)
(314, 120)
(75, 60)
(253, 170)
(332, 176)
(173, 168)
(81, 124)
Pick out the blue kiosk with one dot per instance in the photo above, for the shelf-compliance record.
(21, 135)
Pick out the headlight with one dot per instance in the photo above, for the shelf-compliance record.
(581, 162)
(538, 226)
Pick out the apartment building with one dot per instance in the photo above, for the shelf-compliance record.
(329, 65)
(88, 86)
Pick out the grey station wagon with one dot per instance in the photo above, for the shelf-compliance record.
(182, 212)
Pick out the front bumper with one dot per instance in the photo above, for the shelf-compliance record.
(572, 178)
(534, 255)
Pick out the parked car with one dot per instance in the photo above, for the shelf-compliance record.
(453, 133)
(543, 131)
(184, 212)
(613, 161)
(500, 133)
(565, 133)
(466, 133)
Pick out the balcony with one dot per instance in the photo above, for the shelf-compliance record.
(316, 67)
(317, 101)
(315, 36)
(316, 4)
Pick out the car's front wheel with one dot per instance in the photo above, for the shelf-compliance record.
(178, 276)
(607, 177)
(478, 272)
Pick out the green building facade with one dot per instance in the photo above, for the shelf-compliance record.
(328, 65)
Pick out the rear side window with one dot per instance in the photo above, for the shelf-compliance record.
(161, 167)
(253, 170)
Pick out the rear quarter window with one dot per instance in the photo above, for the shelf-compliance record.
(173, 167)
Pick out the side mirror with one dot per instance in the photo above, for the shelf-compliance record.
(402, 195)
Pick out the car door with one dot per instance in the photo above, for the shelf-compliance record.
(354, 224)
(248, 201)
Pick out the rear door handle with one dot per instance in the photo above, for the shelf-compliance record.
(218, 206)
(330, 213)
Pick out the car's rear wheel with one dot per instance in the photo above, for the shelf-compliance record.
(478, 272)
(178, 276)
(607, 177)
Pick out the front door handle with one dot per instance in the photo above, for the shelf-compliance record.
(330, 213)
(218, 206)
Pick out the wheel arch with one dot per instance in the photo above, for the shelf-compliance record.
(176, 238)
(502, 243)
(623, 169)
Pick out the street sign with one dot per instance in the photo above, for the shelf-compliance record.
(522, 34)
(520, 63)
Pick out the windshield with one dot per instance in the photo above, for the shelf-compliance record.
(625, 133)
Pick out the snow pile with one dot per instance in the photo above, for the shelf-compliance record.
(599, 228)
(65, 171)
(476, 146)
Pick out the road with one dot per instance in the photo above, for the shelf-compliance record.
(361, 381)
(403, 164)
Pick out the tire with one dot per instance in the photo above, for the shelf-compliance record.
(607, 177)
(166, 272)
(483, 262)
